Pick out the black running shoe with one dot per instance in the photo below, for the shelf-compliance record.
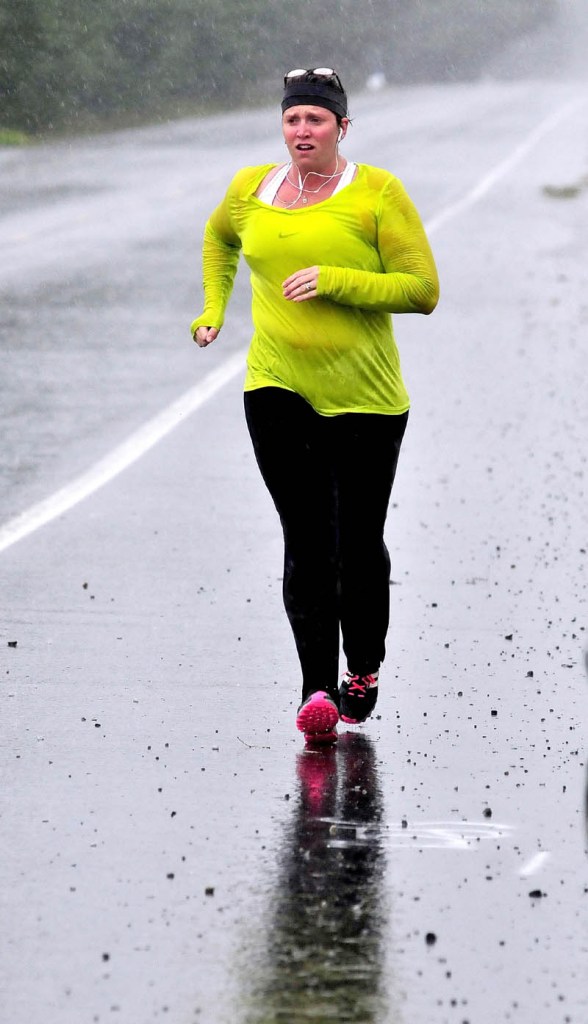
(357, 697)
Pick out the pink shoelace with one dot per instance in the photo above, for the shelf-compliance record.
(359, 684)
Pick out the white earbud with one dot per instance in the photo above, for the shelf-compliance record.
(340, 135)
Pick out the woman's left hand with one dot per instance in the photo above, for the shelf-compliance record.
(302, 285)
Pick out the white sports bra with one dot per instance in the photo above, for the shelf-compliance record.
(268, 194)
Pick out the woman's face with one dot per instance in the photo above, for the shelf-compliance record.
(311, 133)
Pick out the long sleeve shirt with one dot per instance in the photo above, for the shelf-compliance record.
(336, 350)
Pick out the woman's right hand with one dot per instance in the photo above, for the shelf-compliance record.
(204, 336)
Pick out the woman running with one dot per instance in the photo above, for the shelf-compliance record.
(334, 248)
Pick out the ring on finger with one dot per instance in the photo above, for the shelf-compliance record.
(308, 286)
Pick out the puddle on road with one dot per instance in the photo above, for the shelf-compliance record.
(324, 952)
(432, 835)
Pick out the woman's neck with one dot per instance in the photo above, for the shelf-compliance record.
(312, 176)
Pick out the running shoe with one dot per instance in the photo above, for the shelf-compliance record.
(317, 718)
(358, 696)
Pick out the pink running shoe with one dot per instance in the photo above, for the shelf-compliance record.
(317, 718)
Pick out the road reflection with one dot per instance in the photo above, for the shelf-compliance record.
(586, 790)
(324, 958)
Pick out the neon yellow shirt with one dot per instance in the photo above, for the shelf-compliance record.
(338, 349)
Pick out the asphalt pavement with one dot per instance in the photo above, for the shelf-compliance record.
(170, 850)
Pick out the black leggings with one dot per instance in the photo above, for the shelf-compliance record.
(330, 478)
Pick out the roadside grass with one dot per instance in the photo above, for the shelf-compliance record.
(13, 137)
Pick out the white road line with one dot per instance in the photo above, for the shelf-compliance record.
(155, 429)
(535, 864)
(122, 456)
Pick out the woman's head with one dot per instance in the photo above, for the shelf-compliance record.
(314, 115)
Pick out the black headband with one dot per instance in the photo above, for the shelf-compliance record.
(314, 94)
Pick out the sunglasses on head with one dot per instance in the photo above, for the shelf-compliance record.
(319, 72)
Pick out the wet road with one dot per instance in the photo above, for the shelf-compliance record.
(170, 850)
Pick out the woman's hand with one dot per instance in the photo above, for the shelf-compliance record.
(204, 335)
(302, 285)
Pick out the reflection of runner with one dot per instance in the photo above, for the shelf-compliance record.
(334, 247)
(323, 958)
